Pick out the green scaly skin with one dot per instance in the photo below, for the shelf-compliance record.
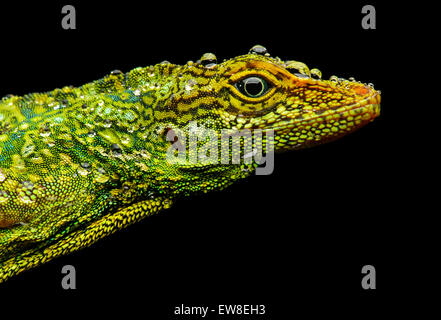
(77, 164)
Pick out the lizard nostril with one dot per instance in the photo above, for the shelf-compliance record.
(361, 90)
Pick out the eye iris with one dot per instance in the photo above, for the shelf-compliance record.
(254, 86)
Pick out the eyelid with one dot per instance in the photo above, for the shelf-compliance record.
(270, 79)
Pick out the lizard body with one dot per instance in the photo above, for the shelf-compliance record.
(77, 164)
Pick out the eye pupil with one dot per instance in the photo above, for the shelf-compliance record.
(253, 86)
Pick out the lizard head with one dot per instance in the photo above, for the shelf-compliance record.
(258, 92)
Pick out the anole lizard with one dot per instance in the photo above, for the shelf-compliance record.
(77, 164)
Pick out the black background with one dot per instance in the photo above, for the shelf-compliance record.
(295, 240)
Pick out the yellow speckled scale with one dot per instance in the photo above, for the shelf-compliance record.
(79, 163)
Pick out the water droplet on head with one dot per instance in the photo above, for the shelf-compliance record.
(82, 171)
(125, 139)
(28, 150)
(208, 60)
(116, 72)
(107, 123)
(45, 131)
(316, 74)
(8, 96)
(293, 66)
(85, 165)
(258, 49)
(190, 84)
(144, 153)
(101, 170)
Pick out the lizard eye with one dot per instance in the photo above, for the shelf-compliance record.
(253, 87)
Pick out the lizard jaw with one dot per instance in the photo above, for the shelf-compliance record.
(328, 126)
